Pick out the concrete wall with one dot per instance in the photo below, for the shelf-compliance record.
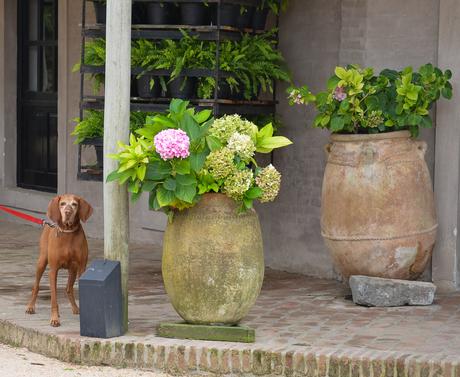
(446, 261)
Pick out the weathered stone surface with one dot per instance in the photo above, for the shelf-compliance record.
(369, 223)
(204, 332)
(371, 291)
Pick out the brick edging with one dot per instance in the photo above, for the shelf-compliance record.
(189, 360)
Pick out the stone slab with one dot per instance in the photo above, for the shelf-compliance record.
(372, 291)
(182, 330)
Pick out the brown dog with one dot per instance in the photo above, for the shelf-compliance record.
(62, 246)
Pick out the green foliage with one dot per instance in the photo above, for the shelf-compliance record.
(94, 56)
(357, 101)
(178, 183)
(274, 5)
(252, 64)
(90, 127)
(92, 124)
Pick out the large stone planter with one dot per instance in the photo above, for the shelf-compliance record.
(213, 264)
(378, 215)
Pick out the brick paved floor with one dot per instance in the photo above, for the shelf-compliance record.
(294, 315)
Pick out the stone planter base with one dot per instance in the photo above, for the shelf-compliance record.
(240, 334)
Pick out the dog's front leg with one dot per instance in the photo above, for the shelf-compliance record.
(54, 305)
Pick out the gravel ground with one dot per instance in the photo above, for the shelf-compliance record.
(19, 362)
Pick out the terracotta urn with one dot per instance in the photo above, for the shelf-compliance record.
(378, 214)
(213, 262)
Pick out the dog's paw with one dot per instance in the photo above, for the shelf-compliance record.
(55, 322)
(75, 311)
(30, 310)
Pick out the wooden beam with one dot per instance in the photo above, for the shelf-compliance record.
(116, 127)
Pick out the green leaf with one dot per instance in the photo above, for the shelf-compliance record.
(266, 131)
(426, 122)
(190, 126)
(213, 143)
(164, 197)
(337, 124)
(153, 202)
(341, 73)
(186, 193)
(158, 170)
(141, 170)
(113, 176)
(273, 142)
(247, 203)
(197, 160)
(170, 184)
(203, 116)
(254, 193)
(185, 180)
(414, 120)
(446, 93)
(178, 106)
(149, 185)
(135, 196)
(332, 82)
(182, 166)
(133, 187)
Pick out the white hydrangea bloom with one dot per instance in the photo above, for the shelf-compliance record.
(242, 145)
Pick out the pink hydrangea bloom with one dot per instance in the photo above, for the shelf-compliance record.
(171, 144)
(339, 94)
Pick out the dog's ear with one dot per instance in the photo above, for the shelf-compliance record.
(84, 210)
(53, 212)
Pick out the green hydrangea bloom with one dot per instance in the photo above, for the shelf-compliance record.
(242, 145)
(238, 183)
(223, 128)
(220, 163)
(269, 180)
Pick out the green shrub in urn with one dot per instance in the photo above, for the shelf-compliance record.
(378, 213)
(203, 173)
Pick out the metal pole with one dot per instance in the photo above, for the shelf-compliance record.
(116, 127)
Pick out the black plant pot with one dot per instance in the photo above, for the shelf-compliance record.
(259, 19)
(229, 14)
(101, 12)
(161, 13)
(224, 90)
(244, 20)
(99, 156)
(133, 89)
(138, 14)
(194, 14)
(145, 90)
(179, 89)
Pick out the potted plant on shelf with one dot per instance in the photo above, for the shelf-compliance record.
(161, 13)
(378, 214)
(203, 174)
(90, 130)
(250, 65)
(100, 10)
(261, 12)
(177, 55)
(195, 13)
(94, 57)
(144, 53)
